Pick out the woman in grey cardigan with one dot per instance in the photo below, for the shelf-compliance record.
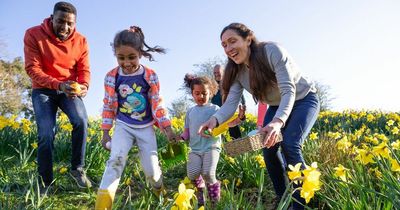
(268, 72)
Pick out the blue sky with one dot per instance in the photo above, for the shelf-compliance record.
(352, 46)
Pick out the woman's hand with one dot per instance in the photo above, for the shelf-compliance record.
(106, 138)
(207, 127)
(272, 131)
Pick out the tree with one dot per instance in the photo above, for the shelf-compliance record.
(204, 69)
(179, 107)
(324, 96)
(15, 91)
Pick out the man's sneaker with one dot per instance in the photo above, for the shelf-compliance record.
(81, 179)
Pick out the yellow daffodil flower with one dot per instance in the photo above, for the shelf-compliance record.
(183, 197)
(313, 136)
(34, 145)
(396, 145)
(295, 172)
(340, 172)
(381, 150)
(364, 156)
(63, 170)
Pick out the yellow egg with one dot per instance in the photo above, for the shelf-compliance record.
(76, 88)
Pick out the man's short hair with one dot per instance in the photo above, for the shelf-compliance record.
(65, 7)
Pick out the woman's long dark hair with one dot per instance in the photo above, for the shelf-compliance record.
(262, 78)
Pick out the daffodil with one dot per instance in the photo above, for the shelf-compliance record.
(231, 160)
(364, 156)
(370, 118)
(66, 127)
(313, 136)
(187, 182)
(396, 145)
(128, 181)
(238, 182)
(3, 122)
(260, 160)
(376, 172)
(13, 123)
(225, 182)
(26, 126)
(334, 135)
(311, 182)
(395, 166)
(381, 150)
(390, 123)
(63, 170)
(395, 130)
(340, 172)
(294, 173)
(34, 145)
(343, 144)
(183, 197)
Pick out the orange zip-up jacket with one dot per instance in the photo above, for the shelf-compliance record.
(50, 61)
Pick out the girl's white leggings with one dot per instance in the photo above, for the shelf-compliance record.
(122, 141)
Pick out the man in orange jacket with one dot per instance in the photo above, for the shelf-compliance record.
(57, 61)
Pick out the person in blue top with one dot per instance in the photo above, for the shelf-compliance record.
(204, 151)
(218, 71)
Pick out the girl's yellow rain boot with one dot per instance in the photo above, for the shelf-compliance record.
(104, 199)
(160, 191)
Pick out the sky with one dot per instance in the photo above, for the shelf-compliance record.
(353, 47)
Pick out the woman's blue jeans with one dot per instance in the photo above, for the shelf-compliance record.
(302, 118)
(45, 105)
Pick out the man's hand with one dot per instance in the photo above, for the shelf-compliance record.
(73, 89)
(83, 91)
(66, 88)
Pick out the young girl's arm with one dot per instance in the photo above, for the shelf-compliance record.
(110, 101)
(185, 135)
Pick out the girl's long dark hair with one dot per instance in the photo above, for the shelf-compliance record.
(134, 37)
(190, 80)
(262, 78)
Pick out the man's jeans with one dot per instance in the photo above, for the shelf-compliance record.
(297, 127)
(45, 105)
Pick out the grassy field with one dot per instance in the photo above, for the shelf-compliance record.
(353, 162)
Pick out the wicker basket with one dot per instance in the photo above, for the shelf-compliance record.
(246, 144)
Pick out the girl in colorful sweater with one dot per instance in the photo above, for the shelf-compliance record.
(133, 102)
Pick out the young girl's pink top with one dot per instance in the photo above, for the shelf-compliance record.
(111, 99)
